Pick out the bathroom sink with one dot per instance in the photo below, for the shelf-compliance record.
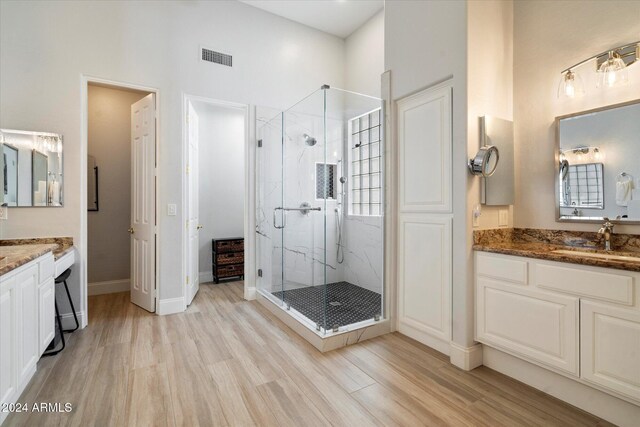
(612, 257)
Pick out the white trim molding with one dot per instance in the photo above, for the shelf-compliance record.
(466, 358)
(170, 306)
(108, 287)
(68, 322)
(250, 292)
(205, 277)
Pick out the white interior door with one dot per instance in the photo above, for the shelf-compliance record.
(193, 225)
(143, 239)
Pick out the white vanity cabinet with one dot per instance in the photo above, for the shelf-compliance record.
(579, 321)
(27, 307)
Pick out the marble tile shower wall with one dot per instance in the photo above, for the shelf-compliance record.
(304, 235)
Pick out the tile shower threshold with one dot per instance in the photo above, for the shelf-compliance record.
(309, 324)
(334, 305)
(330, 340)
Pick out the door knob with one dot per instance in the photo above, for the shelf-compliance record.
(199, 227)
(131, 230)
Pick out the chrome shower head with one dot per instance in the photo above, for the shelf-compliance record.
(309, 140)
(343, 180)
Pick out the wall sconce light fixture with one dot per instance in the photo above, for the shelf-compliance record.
(611, 66)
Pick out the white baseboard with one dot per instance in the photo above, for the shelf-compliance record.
(603, 405)
(429, 340)
(171, 306)
(466, 358)
(249, 292)
(68, 322)
(108, 287)
(205, 277)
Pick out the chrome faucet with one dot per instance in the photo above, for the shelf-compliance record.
(607, 231)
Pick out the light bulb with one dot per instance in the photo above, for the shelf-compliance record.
(613, 71)
(570, 85)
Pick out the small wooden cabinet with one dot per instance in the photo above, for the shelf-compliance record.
(227, 257)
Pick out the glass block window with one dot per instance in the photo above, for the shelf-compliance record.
(583, 187)
(325, 181)
(365, 164)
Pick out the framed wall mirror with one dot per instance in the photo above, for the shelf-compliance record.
(31, 165)
(598, 165)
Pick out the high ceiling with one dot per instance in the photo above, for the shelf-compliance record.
(337, 17)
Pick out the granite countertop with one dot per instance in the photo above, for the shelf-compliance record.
(17, 252)
(541, 244)
(12, 257)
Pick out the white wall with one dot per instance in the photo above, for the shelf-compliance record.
(220, 177)
(549, 37)
(109, 134)
(490, 87)
(364, 57)
(426, 43)
(155, 44)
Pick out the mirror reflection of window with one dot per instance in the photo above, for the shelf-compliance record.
(39, 178)
(9, 175)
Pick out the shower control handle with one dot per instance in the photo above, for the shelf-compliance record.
(284, 219)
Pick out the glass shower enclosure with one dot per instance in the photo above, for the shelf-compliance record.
(320, 210)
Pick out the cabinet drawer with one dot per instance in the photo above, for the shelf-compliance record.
(501, 267)
(538, 326)
(229, 270)
(230, 258)
(228, 246)
(606, 286)
(610, 348)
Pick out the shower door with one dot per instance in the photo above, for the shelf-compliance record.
(304, 209)
(291, 210)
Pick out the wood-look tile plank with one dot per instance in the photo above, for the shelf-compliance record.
(231, 396)
(148, 401)
(193, 393)
(289, 405)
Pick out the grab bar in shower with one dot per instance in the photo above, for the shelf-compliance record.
(304, 209)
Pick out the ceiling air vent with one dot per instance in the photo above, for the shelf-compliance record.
(216, 57)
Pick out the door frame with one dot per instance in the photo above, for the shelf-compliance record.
(249, 190)
(85, 80)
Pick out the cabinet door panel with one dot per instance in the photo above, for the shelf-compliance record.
(46, 297)
(610, 348)
(27, 286)
(8, 300)
(539, 326)
(424, 151)
(424, 286)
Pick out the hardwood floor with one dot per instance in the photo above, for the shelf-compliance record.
(226, 361)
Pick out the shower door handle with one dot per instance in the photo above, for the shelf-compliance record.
(284, 218)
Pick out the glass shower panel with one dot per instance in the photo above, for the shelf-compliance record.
(269, 220)
(304, 258)
(358, 226)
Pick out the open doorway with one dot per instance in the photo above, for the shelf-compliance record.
(215, 188)
(121, 192)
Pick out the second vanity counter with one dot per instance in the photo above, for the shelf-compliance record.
(563, 246)
(17, 252)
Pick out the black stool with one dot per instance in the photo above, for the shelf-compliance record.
(63, 279)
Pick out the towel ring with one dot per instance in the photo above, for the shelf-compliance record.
(624, 177)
